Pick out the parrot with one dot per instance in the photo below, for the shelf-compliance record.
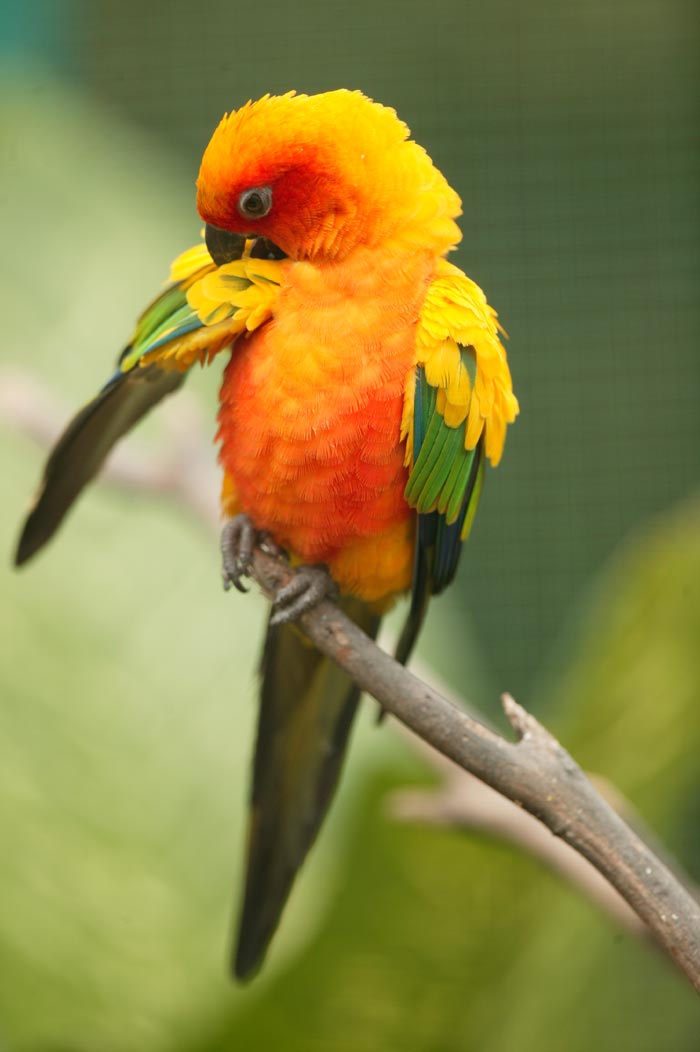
(366, 385)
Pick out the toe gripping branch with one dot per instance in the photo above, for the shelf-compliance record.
(238, 537)
(307, 588)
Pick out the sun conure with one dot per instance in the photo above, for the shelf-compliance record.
(365, 389)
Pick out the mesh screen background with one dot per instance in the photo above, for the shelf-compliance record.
(571, 133)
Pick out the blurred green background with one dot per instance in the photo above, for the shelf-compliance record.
(127, 678)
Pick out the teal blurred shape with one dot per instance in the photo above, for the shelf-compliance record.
(37, 31)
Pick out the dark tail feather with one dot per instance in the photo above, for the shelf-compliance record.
(306, 713)
(420, 597)
(421, 591)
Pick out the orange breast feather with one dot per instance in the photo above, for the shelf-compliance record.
(310, 421)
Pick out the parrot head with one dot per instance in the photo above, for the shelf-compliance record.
(316, 176)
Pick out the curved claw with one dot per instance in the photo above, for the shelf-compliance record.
(238, 537)
(307, 588)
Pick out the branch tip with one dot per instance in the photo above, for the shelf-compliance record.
(520, 720)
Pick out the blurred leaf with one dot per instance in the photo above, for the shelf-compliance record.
(632, 694)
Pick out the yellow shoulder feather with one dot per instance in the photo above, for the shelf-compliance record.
(455, 314)
(227, 301)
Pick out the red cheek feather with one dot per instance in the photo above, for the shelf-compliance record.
(301, 194)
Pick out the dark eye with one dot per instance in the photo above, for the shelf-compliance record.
(255, 203)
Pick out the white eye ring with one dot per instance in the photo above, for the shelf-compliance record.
(256, 202)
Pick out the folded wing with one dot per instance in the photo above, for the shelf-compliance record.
(456, 410)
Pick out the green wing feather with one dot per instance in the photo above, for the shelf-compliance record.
(169, 318)
(444, 483)
(444, 486)
(442, 465)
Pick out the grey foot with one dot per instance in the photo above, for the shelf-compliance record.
(307, 588)
(238, 538)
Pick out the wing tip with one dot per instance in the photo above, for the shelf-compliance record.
(266, 890)
(260, 915)
(248, 956)
(22, 555)
(38, 528)
(29, 543)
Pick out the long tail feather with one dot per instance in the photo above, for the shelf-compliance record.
(306, 713)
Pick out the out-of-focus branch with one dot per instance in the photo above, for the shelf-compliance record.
(185, 472)
(461, 801)
(522, 791)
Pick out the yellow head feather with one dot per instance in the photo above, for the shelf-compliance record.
(341, 170)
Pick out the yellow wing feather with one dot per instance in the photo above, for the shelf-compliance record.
(229, 301)
(456, 314)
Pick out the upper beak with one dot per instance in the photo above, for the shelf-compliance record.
(223, 246)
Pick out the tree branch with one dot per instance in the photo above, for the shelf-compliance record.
(535, 772)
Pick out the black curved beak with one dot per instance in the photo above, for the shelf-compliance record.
(223, 246)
